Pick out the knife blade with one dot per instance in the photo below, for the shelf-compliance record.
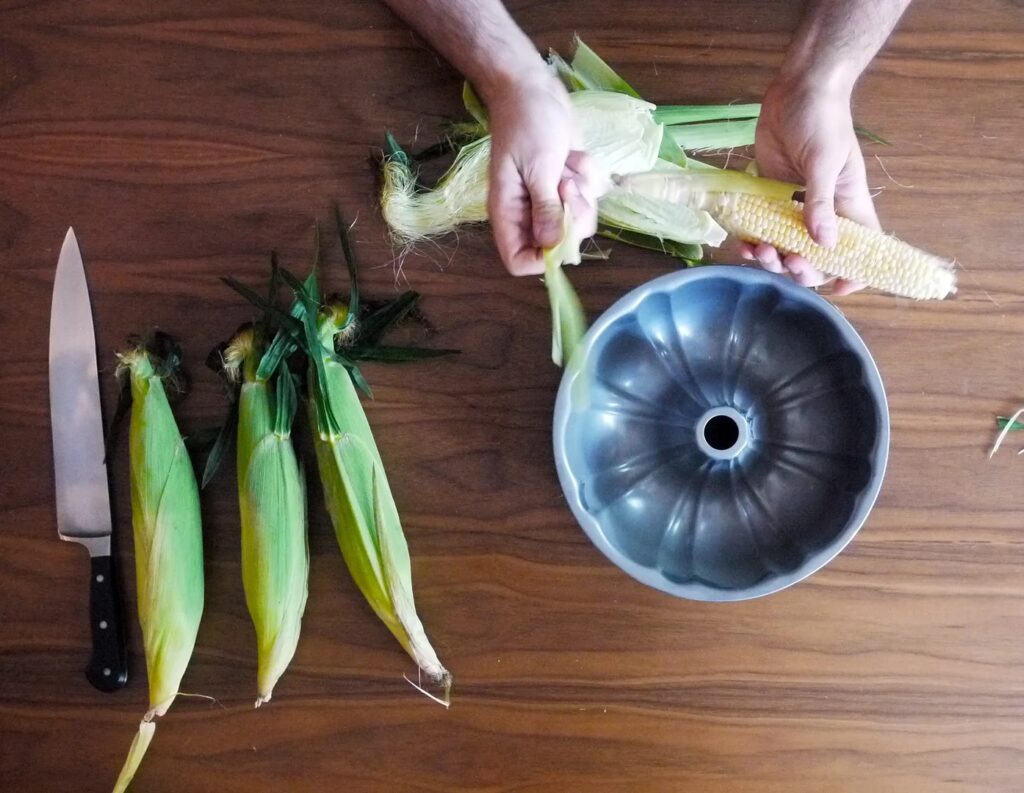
(80, 470)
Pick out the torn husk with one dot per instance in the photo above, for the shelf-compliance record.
(135, 754)
(618, 132)
(568, 320)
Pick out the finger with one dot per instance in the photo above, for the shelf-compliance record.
(802, 271)
(582, 211)
(580, 168)
(747, 251)
(579, 162)
(542, 178)
(853, 196)
(508, 206)
(820, 203)
(843, 287)
(768, 257)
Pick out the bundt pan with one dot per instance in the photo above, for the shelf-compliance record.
(721, 433)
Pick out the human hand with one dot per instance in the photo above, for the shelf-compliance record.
(805, 135)
(537, 166)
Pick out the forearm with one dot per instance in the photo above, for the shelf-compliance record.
(478, 37)
(837, 39)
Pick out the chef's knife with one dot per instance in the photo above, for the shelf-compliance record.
(80, 470)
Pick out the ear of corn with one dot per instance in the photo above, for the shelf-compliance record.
(358, 497)
(168, 543)
(272, 503)
(618, 132)
(362, 509)
(862, 254)
(755, 209)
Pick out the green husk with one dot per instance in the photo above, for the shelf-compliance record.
(564, 71)
(687, 252)
(595, 74)
(272, 503)
(474, 106)
(869, 135)
(356, 491)
(359, 501)
(568, 320)
(602, 99)
(671, 115)
(168, 538)
(715, 135)
(140, 743)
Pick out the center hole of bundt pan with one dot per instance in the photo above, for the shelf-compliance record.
(722, 433)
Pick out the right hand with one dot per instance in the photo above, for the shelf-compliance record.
(537, 165)
(806, 135)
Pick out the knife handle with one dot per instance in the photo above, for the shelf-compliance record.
(107, 669)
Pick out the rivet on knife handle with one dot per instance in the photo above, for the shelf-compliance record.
(107, 669)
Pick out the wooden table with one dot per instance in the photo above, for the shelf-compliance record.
(186, 140)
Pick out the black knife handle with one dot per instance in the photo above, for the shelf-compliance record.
(108, 668)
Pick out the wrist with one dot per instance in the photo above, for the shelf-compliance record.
(833, 84)
(511, 74)
(810, 72)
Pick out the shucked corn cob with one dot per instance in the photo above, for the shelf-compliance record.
(760, 210)
(861, 254)
(272, 502)
(168, 542)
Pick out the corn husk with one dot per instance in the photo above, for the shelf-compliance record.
(618, 132)
(624, 135)
(272, 503)
(362, 509)
(358, 498)
(568, 320)
(168, 542)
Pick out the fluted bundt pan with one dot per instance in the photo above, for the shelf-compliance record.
(721, 433)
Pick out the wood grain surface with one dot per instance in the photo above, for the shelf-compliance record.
(186, 140)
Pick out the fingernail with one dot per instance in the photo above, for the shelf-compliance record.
(547, 234)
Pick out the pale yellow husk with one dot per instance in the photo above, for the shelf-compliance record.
(618, 132)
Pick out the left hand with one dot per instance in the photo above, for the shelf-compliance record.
(805, 135)
(537, 167)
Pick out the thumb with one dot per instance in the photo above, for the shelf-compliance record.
(819, 205)
(546, 205)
